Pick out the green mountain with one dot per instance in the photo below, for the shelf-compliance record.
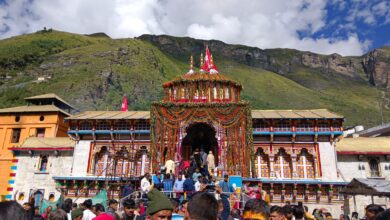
(93, 72)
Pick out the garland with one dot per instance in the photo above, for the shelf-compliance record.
(167, 119)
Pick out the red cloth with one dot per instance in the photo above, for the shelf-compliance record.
(208, 65)
(186, 164)
(124, 106)
(104, 216)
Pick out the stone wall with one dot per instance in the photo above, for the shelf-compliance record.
(81, 155)
(328, 161)
(29, 178)
(349, 166)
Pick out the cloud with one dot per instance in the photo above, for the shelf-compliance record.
(263, 23)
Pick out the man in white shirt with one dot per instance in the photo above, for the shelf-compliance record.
(145, 184)
(87, 213)
(198, 183)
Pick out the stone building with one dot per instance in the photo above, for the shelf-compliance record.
(364, 157)
(43, 116)
(39, 159)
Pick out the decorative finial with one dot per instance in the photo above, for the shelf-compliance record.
(191, 70)
(201, 60)
(213, 68)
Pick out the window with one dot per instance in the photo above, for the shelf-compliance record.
(260, 125)
(305, 165)
(43, 164)
(21, 196)
(40, 132)
(282, 165)
(103, 125)
(122, 125)
(16, 135)
(17, 118)
(282, 126)
(51, 197)
(374, 167)
(41, 118)
(142, 125)
(85, 125)
(262, 164)
(323, 126)
(305, 126)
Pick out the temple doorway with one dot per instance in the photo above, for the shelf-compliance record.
(201, 136)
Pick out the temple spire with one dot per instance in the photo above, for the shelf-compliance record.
(191, 70)
(201, 63)
(213, 68)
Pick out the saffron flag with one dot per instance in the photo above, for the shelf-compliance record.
(124, 106)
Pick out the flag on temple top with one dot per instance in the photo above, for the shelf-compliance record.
(124, 106)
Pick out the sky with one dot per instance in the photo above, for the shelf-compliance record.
(346, 27)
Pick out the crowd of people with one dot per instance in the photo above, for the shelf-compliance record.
(201, 205)
(194, 193)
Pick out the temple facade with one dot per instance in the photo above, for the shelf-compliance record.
(288, 153)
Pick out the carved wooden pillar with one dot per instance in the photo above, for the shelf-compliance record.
(295, 192)
(318, 197)
(271, 192)
(306, 192)
(283, 195)
(294, 165)
(316, 168)
(271, 165)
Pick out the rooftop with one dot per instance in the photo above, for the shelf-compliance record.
(33, 108)
(54, 143)
(267, 114)
(48, 97)
(102, 115)
(364, 145)
(296, 114)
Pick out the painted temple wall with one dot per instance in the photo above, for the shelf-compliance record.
(29, 177)
(81, 155)
(328, 161)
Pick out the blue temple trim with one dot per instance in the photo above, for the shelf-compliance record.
(98, 178)
(291, 181)
(109, 132)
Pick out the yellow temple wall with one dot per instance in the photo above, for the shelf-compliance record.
(53, 123)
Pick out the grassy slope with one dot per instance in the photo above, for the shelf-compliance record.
(94, 73)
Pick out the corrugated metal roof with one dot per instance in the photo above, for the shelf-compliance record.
(33, 108)
(107, 115)
(49, 96)
(267, 114)
(376, 187)
(364, 145)
(295, 114)
(55, 142)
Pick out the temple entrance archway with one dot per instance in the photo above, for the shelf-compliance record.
(201, 136)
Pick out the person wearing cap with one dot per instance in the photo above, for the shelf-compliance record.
(87, 213)
(159, 206)
(77, 214)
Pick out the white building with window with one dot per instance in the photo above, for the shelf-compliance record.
(364, 157)
(39, 159)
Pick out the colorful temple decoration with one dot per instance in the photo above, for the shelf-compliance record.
(210, 101)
